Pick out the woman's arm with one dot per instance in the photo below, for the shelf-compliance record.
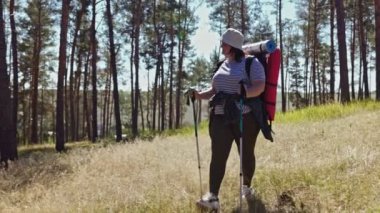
(206, 94)
(257, 79)
(255, 89)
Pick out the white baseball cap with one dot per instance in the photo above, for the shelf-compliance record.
(233, 38)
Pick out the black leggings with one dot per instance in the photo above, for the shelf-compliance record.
(222, 135)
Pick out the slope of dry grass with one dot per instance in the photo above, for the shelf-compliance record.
(316, 166)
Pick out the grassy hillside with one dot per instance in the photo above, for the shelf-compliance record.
(324, 159)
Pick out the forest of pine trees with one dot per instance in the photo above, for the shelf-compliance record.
(62, 62)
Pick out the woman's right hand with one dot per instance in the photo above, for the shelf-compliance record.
(193, 94)
(196, 95)
(206, 94)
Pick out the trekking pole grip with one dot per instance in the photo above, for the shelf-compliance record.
(190, 96)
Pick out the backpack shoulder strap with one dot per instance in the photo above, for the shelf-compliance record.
(248, 63)
(216, 67)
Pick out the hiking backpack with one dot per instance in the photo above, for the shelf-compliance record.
(271, 66)
(270, 57)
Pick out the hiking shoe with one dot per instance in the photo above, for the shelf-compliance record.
(209, 201)
(247, 192)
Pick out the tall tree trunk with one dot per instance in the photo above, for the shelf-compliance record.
(332, 51)
(148, 104)
(25, 114)
(242, 17)
(29, 113)
(60, 142)
(15, 76)
(94, 78)
(137, 26)
(109, 105)
(181, 56)
(360, 92)
(377, 27)
(78, 78)
(66, 107)
(283, 95)
(132, 79)
(53, 113)
(6, 136)
(86, 111)
(229, 14)
(35, 77)
(178, 107)
(319, 83)
(286, 83)
(162, 90)
(155, 96)
(314, 63)
(156, 78)
(306, 54)
(71, 118)
(106, 102)
(110, 113)
(171, 70)
(132, 82)
(142, 113)
(324, 85)
(363, 49)
(353, 45)
(42, 115)
(114, 73)
(345, 93)
(73, 124)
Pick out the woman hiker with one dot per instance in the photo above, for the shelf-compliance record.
(225, 115)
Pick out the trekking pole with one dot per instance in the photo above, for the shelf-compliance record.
(196, 137)
(241, 144)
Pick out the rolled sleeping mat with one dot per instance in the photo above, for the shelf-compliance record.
(272, 73)
(267, 46)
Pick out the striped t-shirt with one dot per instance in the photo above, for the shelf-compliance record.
(228, 76)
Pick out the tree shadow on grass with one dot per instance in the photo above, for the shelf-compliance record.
(253, 205)
(28, 151)
(285, 203)
(256, 205)
(38, 165)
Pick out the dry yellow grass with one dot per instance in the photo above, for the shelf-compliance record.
(329, 166)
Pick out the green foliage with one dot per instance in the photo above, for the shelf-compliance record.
(309, 114)
(226, 14)
(292, 44)
(187, 130)
(326, 112)
(199, 76)
(149, 135)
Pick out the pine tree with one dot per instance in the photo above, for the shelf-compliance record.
(377, 20)
(7, 138)
(74, 124)
(61, 70)
(345, 93)
(94, 79)
(15, 75)
(114, 71)
(35, 39)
